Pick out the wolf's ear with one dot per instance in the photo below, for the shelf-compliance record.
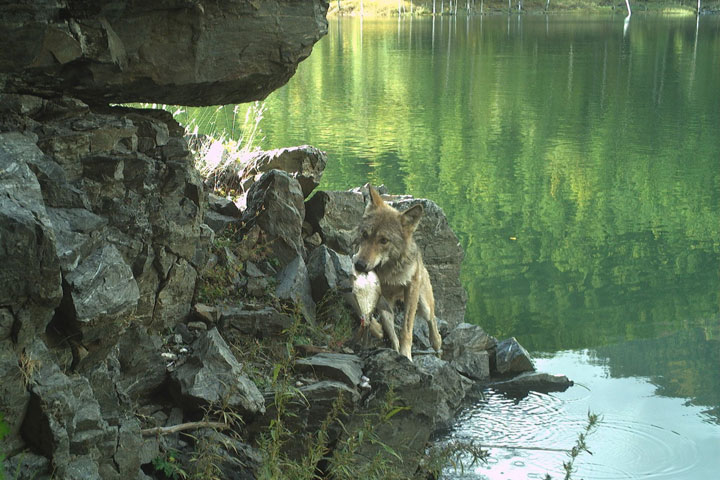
(375, 199)
(411, 217)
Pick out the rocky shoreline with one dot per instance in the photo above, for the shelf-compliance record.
(146, 326)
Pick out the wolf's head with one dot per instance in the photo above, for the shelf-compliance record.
(385, 234)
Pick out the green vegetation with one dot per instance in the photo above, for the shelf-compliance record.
(169, 466)
(4, 431)
(579, 447)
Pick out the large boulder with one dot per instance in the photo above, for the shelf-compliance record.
(175, 52)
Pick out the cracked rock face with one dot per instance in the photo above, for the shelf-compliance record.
(177, 52)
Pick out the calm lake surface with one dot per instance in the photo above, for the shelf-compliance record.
(578, 160)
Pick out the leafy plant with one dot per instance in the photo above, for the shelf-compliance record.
(170, 466)
(579, 447)
(4, 431)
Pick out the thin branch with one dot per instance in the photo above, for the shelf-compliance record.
(184, 426)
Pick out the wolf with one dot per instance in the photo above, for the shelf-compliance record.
(385, 245)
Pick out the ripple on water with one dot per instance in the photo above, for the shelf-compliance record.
(530, 437)
(537, 420)
(642, 450)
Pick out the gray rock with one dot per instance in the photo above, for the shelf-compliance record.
(234, 459)
(142, 368)
(532, 381)
(335, 216)
(293, 285)
(416, 410)
(30, 273)
(101, 290)
(451, 385)
(217, 221)
(304, 163)
(6, 323)
(212, 375)
(178, 53)
(263, 323)
(82, 467)
(307, 411)
(275, 204)
(328, 271)
(333, 366)
(76, 234)
(173, 300)
(64, 421)
(27, 465)
(467, 349)
(511, 358)
(222, 206)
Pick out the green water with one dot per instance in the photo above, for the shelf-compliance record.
(579, 163)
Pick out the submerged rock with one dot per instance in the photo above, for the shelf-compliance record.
(532, 381)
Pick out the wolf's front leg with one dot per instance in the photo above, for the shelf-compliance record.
(387, 318)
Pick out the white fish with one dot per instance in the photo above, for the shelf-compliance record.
(366, 288)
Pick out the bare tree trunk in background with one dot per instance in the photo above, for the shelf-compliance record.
(627, 2)
(434, 11)
(698, 9)
(547, 5)
(509, 7)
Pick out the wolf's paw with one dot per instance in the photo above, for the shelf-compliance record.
(406, 350)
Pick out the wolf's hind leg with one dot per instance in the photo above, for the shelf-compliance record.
(427, 309)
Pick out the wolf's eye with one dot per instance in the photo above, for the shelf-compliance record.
(365, 235)
(384, 241)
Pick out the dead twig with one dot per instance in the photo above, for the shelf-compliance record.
(184, 426)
